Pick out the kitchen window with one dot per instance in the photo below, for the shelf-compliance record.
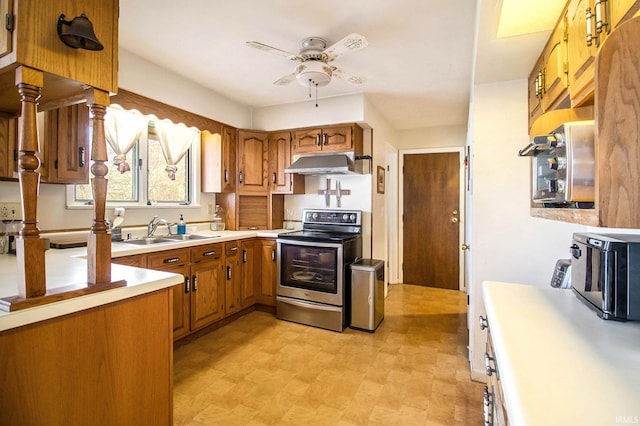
(150, 168)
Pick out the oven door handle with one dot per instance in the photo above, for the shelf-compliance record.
(309, 243)
(309, 304)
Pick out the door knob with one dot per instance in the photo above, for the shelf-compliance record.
(455, 212)
(465, 246)
(454, 220)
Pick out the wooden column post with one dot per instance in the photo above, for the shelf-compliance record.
(99, 240)
(29, 246)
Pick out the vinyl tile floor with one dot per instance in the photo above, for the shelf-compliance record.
(259, 370)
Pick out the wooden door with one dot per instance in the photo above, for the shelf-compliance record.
(67, 133)
(229, 147)
(555, 71)
(8, 146)
(305, 141)
(431, 220)
(6, 9)
(232, 278)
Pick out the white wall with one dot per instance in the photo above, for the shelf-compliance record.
(433, 137)
(507, 244)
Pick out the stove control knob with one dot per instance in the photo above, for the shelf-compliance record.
(353, 218)
(315, 216)
(345, 217)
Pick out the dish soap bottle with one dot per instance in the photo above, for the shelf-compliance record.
(182, 227)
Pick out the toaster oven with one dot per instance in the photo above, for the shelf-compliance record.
(563, 167)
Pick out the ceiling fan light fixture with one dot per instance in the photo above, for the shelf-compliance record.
(315, 72)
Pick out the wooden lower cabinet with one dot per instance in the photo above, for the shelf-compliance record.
(207, 286)
(108, 365)
(269, 268)
(495, 411)
(233, 278)
(250, 276)
(220, 279)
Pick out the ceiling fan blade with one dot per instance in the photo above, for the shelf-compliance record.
(347, 77)
(286, 79)
(267, 48)
(348, 44)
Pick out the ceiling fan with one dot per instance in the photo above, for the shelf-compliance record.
(315, 57)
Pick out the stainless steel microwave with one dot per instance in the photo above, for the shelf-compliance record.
(563, 164)
(605, 274)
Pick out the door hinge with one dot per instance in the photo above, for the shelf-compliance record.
(9, 22)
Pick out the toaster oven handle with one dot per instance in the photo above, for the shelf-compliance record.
(575, 251)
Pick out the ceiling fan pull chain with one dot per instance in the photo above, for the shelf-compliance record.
(316, 95)
(309, 87)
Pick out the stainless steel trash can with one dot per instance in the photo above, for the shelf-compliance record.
(367, 294)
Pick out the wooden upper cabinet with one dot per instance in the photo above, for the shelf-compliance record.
(8, 146)
(6, 8)
(338, 138)
(218, 160)
(67, 134)
(279, 159)
(548, 79)
(582, 55)
(34, 41)
(253, 162)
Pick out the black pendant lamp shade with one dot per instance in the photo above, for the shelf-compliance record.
(78, 33)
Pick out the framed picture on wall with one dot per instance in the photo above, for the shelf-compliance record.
(380, 180)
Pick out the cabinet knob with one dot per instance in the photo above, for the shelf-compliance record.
(483, 322)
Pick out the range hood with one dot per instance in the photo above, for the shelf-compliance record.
(342, 163)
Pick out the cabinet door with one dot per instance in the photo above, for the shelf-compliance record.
(181, 302)
(581, 56)
(229, 147)
(337, 138)
(536, 92)
(250, 277)
(207, 292)
(232, 278)
(621, 10)
(306, 141)
(8, 147)
(67, 135)
(6, 9)
(269, 269)
(279, 159)
(555, 67)
(253, 162)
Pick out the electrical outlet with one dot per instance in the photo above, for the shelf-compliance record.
(10, 211)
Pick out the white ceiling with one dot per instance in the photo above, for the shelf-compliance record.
(418, 66)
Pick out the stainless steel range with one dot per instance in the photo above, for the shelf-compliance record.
(313, 268)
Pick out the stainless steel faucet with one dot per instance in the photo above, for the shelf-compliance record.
(153, 225)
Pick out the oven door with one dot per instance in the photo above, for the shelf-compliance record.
(312, 271)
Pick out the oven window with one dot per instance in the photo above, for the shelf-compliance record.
(311, 268)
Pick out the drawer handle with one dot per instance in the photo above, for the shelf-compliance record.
(171, 260)
(487, 364)
(233, 249)
(81, 161)
(209, 253)
(252, 228)
(240, 177)
(484, 324)
(488, 407)
(187, 286)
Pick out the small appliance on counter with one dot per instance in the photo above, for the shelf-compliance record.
(605, 274)
(563, 165)
(562, 274)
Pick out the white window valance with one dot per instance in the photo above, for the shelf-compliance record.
(175, 140)
(123, 128)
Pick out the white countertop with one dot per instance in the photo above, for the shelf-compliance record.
(68, 266)
(559, 363)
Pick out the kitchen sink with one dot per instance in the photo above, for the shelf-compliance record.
(147, 241)
(187, 237)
